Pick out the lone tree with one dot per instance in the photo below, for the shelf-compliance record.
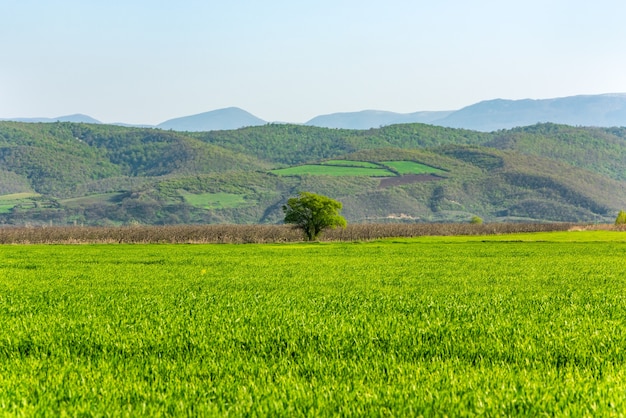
(313, 213)
(621, 218)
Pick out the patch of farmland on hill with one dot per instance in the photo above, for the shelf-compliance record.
(332, 170)
(412, 167)
(358, 169)
(10, 201)
(351, 163)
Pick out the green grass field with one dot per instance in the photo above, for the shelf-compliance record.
(6, 207)
(9, 201)
(352, 163)
(358, 168)
(528, 324)
(411, 167)
(333, 170)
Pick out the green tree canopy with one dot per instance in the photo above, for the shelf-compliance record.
(621, 218)
(313, 213)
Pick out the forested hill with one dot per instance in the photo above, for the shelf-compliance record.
(76, 173)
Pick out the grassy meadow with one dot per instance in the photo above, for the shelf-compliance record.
(412, 167)
(527, 324)
(333, 170)
(218, 200)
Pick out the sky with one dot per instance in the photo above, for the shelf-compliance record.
(146, 61)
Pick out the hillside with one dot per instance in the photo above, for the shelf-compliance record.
(69, 173)
(67, 159)
(601, 150)
(296, 144)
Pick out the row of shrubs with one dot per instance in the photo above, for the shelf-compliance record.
(240, 234)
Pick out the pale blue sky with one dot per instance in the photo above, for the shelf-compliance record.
(145, 61)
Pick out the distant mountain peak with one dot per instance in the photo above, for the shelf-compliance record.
(78, 118)
(220, 119)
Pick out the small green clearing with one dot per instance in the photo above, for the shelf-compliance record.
(352, 163)
(214, 200)
(331, 170)
(6, 208)
(411, 167)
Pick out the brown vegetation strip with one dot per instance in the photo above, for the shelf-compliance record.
(407, 179)
(240, 234)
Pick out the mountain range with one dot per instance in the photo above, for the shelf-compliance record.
(599, 110)
(605, 110)
(368, 119)
(77, 118)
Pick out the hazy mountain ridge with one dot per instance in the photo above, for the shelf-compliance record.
(592, 110)
(216, 120)
(368, 119)
(77, 118)
(604, 110)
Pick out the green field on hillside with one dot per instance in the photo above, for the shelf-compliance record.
(528, 324)
(412, 167)
(358, 168)
(9, 201)
(333, 170)
(351, 163)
